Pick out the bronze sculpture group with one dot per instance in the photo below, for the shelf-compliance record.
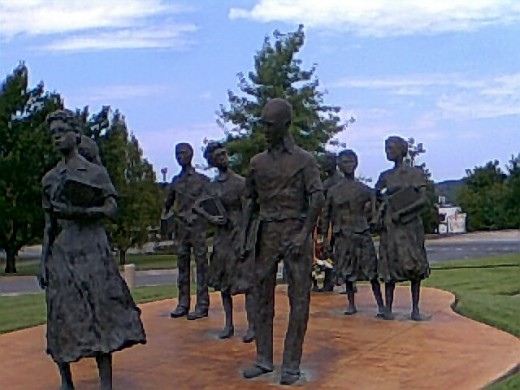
(266, 217)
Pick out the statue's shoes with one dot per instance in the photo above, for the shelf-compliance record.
(254, 371)
(249, 336)
(227, 332)
(288, 378)
(415, 316)
(179, 312)
(197, 314)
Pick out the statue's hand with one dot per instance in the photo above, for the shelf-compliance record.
(396, 216)
(296, 244)
(66, 211)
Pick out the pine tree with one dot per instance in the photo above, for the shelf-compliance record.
(278, 73)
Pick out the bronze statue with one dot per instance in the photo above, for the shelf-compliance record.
(90, 312)
(402, 256)
(353, 251)
(223, 206)
(328, 165)
(284, 184)
(190, 232)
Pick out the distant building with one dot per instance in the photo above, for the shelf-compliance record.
(451, 218)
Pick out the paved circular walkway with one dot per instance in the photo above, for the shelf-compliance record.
(446, 351)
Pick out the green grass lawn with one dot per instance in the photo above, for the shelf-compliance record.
(142, 262)
(487, 290)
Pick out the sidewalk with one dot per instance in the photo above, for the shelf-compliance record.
(446, 351)
(17, 285)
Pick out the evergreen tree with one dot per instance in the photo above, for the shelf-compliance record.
(26, 153)
(277, 73)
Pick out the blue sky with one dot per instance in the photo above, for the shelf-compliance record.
(446, 72)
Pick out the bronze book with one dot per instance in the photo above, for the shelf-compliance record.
(403, 198)
(214, 207)
(80, 193)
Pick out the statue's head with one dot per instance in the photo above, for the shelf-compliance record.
(328, 162)
(396, 148)
(65, 128)
(216, 155)
(183, 154)
(276, 120)
(89, 150)
(347, 162)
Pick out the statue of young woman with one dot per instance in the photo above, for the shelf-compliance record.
(402, 256)
(353, 250)
(90, 312)
(226, 273)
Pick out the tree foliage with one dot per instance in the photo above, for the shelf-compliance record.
(26, 153)
(277, 73)
(139, 196)
(490, 196)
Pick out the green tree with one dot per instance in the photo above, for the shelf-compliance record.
(26, 153)
(139, 196)
(513, 184)
(484, 197)
(430, 214)
(278, 73)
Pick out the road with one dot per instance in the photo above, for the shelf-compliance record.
(466, 246)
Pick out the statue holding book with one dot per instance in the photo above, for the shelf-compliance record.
(90, 312)
(353, 251)
(223, 205)
(401, 192)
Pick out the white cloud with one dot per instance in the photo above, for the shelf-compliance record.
(414, 84)
(455, 96)
(381, 18)
(108, 93)
(96, 24)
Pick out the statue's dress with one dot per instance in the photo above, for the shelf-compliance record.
(89, 307)
(402, 255)
(226, 272)
(354, 253)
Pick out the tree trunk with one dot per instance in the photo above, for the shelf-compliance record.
(122, 257)
(10, 261)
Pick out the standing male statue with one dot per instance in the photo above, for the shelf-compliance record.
(284, 184)
(190, 231)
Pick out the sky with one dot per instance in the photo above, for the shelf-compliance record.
(446, 72)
